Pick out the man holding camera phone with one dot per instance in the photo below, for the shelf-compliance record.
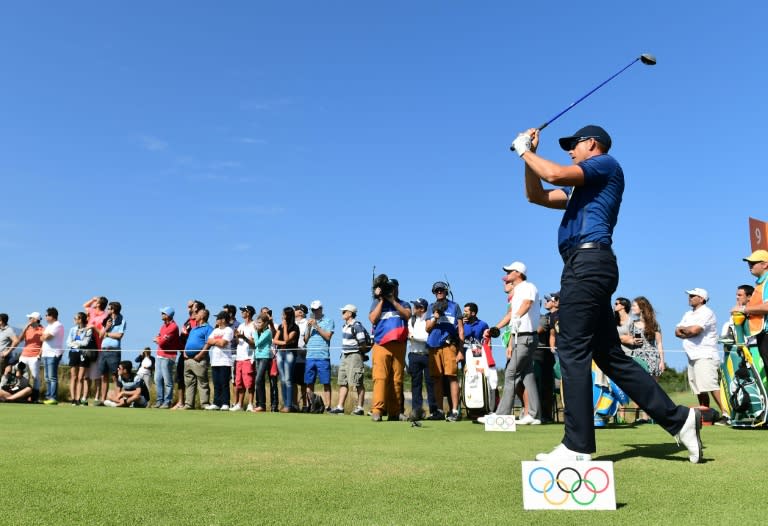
(389, 316)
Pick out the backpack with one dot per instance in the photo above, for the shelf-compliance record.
(316, 404)
(367, 343)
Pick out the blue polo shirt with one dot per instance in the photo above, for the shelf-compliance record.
(592, 209)
(447, 326)
(119, 326)
(317, 347)
(196, 340)
(474, 330)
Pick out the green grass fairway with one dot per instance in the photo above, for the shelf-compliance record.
(97, 465)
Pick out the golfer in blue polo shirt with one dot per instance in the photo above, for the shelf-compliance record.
(590, 191)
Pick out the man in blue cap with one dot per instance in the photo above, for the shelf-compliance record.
(590, 191)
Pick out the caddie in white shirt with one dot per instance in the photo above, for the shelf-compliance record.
(698, 330)
(522, 318)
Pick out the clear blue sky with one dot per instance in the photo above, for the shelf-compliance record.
(272, 152)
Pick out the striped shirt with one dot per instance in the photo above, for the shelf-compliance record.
(351, 340)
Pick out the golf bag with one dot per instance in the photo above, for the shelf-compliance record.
(480, 379)
(606, 397)
(743, 386)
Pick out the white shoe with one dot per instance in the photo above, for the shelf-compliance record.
(690, 435)
(225, 407)
(528, 420)
(211, 407)
(563, 454)
(236, 407)
(249, 409)
(110, 403)
(481, 419)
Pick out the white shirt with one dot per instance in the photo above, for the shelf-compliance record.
(525, 290)
(55, 346)
(417, 334)
(222, 355)
(301, 354)
(244, 349)
(145, 368)
(703, 345)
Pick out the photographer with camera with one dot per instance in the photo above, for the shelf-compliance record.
(389, 316)
(446, 346)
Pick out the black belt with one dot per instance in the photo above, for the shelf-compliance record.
(526, 333)
(592, 245)
(419, 353)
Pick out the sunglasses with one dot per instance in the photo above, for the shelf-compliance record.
(577, 140)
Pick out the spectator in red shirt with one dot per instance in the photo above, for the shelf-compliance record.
(168, 343)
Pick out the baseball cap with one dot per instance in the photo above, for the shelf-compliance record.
(698, 292)
(350, 308)
(515, 265)
(316, 305)
(223, 315)
(757, 256)
(250, 308)
(421, 302)
(35, 315)
(168, 311)
(587, 132)
(301, 307)
(552, 296)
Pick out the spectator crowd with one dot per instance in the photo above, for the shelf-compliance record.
(239, 359)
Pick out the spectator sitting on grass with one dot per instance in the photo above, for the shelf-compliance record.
(14, 386)
(129, 391)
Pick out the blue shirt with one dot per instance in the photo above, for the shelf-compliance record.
(317, 347)
(119, 326)
(592, 209)
(474, 330)
(196, 340)
(447, 326)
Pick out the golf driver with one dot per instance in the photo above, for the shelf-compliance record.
(645, 58)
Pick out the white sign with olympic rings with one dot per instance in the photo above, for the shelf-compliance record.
(568, 486)
(500, 423)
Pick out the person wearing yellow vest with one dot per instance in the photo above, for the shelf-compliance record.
(756, 309)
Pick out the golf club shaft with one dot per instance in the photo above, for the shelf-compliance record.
(606, 81)
(645, 58)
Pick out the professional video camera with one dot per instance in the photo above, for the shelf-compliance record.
(382, 286)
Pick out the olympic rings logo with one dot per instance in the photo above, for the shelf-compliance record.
(570, 483)
(504, 422)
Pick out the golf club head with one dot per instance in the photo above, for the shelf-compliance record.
(648, 59)
(494, 332)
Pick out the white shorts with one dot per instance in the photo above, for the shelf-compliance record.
(702, 375)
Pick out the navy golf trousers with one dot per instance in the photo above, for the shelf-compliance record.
(588, 332)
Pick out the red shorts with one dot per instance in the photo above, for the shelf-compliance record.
(244, 375)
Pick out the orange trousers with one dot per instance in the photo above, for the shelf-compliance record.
(388, 371)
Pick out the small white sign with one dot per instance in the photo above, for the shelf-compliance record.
(568, 486)
(500, 423)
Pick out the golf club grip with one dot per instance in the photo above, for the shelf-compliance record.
(512, 148)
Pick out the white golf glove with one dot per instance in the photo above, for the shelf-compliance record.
(514, 324)
(522, 144)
